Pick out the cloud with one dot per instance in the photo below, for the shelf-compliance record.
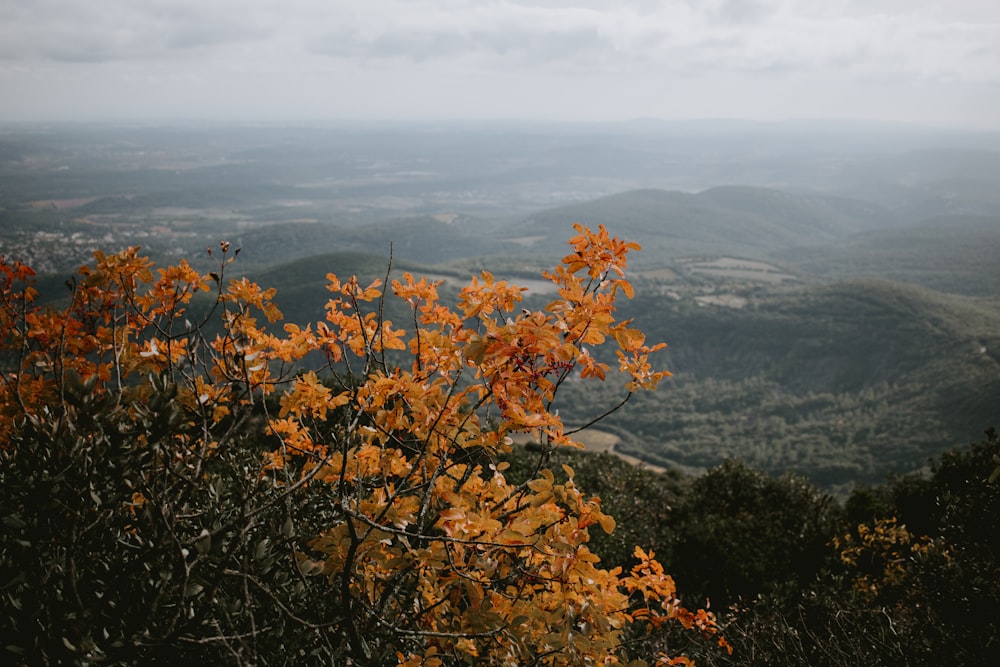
(521, 45)
(564, 53)
(116, 30)
(959, 40)
(741, 12)
(877, 39)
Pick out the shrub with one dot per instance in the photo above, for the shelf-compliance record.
(160, 504)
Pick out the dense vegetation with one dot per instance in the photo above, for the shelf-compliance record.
(842, 383)
(955, 254)
(174, 491)
(905, 572)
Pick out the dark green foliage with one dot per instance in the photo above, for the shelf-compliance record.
(198, 570)
(826, 626)
(761, 549)
(204, 573)
(957, 505)
(966, 507)
(738, 533)
(939, 606)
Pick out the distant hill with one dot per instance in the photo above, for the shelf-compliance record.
(301, 284)
(424, 239)
(922, 183)
(745, 221)
(955, 253)
(843, 336)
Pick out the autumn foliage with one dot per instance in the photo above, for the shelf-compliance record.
(276, 491)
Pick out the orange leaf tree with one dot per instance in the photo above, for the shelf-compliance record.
(357, 511)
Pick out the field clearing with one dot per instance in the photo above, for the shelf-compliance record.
(283, 221)
(594, 441)
(725, 300)
(664, 274)
(535, 286)
(739, 269)
(732, 263)
(194, 213)
(525, 241)
(438, 277)
(61, 204)
(743, 274)
(532, 285)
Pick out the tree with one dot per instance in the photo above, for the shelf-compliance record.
(944, 584)
(911, 578)
(739, 532)
(357, 511)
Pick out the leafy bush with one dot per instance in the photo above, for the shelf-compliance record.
(174, 495)
(912, 579)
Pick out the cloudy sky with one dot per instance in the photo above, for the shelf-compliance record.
(924, 61)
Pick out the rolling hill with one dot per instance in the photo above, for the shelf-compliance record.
(745, 221)
(301, 284)
(955, 253)
(425, 239)
(844, 382)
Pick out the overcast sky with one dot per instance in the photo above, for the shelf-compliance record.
(924, 61)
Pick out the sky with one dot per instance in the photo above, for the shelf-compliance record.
(915, 61)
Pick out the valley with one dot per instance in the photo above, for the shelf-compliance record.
(830, 310)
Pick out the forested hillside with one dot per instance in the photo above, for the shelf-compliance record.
(956, 253)
(843, 383)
